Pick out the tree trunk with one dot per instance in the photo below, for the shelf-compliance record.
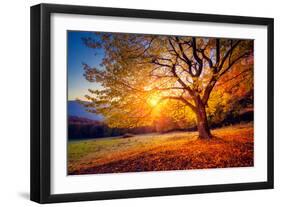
(202, 122)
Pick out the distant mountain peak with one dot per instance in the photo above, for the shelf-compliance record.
(82, 120)
(78, 110)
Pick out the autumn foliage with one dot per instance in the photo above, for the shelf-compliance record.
(230, 147)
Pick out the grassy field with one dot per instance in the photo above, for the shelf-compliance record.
(231, 147)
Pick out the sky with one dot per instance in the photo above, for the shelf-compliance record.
(78, 53)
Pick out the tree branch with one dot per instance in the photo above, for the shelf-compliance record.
(196, 57)
(191, 92)
(207, 58)
(233, 62)
(168, 88)
(228, 53)
(218, 51)
(190, 105)
(215, 77)
(236, 76)
(208, 89)
(146, 48)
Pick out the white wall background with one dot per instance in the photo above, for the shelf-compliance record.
(14, 105)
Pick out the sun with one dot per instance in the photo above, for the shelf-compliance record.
(153, 101)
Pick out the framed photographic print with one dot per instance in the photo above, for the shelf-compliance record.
(133, 103)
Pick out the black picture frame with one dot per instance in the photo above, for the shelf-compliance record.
(41, 96)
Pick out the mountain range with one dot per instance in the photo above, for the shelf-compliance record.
(76, 109)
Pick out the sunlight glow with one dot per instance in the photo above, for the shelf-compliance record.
(153, 101)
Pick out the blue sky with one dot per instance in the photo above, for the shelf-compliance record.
(78, 53)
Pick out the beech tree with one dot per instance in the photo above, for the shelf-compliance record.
(140, 75)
